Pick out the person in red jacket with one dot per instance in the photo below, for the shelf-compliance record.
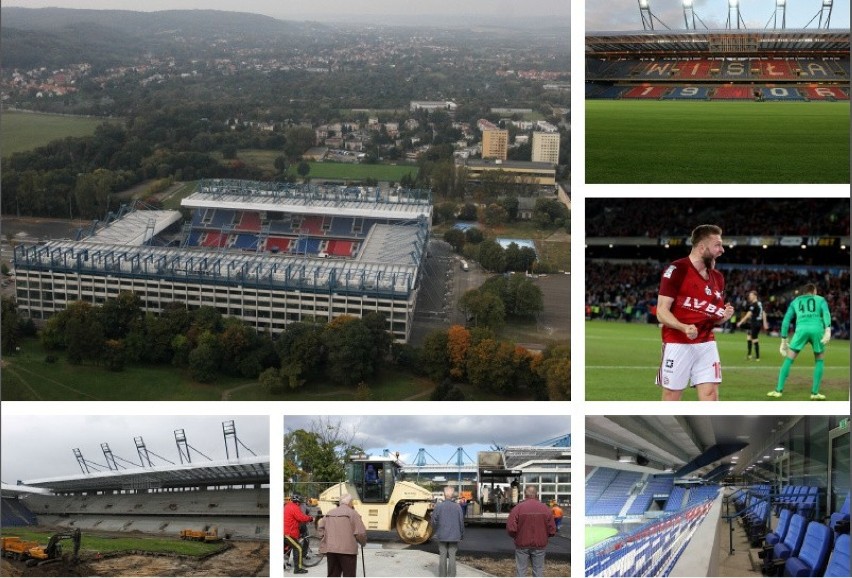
(530, 525)
(293, 519)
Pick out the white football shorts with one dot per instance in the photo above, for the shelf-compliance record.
(689, 363)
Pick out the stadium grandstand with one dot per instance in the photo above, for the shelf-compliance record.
(718, 65)
(268, 253)
(772, 246)
(714, 495)
(156, 496)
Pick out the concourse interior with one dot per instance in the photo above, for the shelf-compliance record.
(717, 495)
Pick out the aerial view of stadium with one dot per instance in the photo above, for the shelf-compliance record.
(267, 253)
(177, 503)
(733, 495)
(771, 251)
(716, 92)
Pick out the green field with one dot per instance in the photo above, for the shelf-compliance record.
(622, 360)
(24, 131)
(106, 544)
(265, 160)
(596, 534)
(716, 142)
(26, 376)
(357, 171)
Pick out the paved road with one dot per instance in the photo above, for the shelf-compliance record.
(480, 540)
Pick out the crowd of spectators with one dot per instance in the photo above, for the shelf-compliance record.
(653, 218)
(628, 292)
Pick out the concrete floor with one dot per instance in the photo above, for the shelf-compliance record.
(381, 562)
(740, 562)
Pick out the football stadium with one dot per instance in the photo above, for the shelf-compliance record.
(772, 246)
(717, 495)
(699, 105)
(268, 253)
(148, 515)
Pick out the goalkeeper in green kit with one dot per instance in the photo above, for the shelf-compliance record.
(813, 325)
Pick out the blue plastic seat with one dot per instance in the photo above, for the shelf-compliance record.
(841, 516)
(780, 531)
(812, 555)
(838, 564)
(792, 541)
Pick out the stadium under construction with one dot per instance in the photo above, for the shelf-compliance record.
(131, 512)
(268, 253)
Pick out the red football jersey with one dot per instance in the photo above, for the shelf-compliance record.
(697, 301)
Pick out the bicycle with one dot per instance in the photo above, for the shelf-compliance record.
(311, 555)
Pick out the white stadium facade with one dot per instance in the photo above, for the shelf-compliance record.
(268, 253)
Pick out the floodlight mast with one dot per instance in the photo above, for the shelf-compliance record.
(780, 14)
(645, 13)
(648, 16)
(735, 18)
(825, 12)
(688, 14)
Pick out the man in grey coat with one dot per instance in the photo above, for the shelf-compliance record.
(448, 522)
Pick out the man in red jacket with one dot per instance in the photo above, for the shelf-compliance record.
(293, 518)
(530, 525)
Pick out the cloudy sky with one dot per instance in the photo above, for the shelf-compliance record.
(606, 15)
(442, 435)
(327, 9)
(40, 446)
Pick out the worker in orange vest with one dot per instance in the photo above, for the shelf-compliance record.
(557, 513)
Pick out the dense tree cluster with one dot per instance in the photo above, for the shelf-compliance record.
(474, 356)
(500, 297)
(345, 351)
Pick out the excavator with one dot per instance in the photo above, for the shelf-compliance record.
(211, 535)
(33, 553)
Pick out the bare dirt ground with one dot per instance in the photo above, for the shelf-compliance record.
(505, 566)
(242, 559)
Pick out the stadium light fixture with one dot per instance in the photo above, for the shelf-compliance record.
(643, 3)
(687, 3)
(733, 3)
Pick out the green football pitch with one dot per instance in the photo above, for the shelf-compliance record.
(597, 534)
(716, 142)
(622, 360)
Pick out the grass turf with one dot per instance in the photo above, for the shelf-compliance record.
(106, 544)
(24, 131)
(716, 142)
(596, 534)
(26, 376)
(622, 360)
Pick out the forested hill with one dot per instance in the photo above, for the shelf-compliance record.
(53, 36)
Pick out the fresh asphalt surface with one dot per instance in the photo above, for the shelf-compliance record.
(480, 540)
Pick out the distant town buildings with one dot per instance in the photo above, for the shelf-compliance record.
(495, 144)
(545, 147)
(433, 105)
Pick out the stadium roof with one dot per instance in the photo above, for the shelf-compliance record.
(253, 470)
(134, 228)
(388, 263)
(9, 490)
(639, 43)
(310, 199)
(689, 445)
